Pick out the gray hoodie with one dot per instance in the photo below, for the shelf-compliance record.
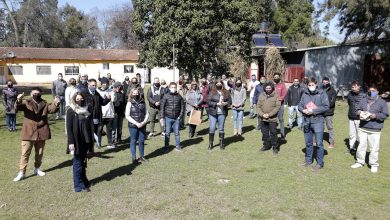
(238, 98)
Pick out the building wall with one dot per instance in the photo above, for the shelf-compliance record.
(164, 73)
(92, 68)
(341, 64)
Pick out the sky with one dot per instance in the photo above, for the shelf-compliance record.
(89, 6)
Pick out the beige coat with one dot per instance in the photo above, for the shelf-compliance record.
(268, 105)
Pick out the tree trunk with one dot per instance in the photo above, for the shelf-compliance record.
(25, 33)
(14, 23)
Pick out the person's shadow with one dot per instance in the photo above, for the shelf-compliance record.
(112, 174)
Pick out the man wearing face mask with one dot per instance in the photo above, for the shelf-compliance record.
(58, 90)
(171, 111)
(125, 86)
(280, 89)
(294, 94)
(354, 98)
(155, 95)
(252, 88)
(95, 102)
(35, 130)
(372, 111)
(108, 112)
(313, 104)
(331, 92)
(258, 90)
(9, 98)
(82, 84)
(268, 107)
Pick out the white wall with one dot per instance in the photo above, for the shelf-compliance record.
(30, 72)
(164, 73)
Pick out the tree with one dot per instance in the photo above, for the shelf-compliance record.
(359, 18)
(202, 32)
(293, 19)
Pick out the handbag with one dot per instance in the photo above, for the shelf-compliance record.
(195, 117)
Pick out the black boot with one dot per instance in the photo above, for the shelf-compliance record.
(221, 139)
(211, 140)
(275, 149)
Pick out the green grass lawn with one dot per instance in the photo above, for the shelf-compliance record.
(185, 185)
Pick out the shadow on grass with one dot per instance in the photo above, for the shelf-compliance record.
(159, 152)
(112, 174)
(193, 141)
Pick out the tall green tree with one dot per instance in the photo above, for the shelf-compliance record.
(202, 31)
(359, 18)
(293, 19)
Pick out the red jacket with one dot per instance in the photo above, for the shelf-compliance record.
(281, 90)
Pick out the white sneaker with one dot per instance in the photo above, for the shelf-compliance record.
(374, 169)
(111, 146)
(19, 177)
(356, 165)
(39, 172)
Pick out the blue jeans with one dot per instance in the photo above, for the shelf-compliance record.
(117, 125)
(79, 172)
(169, 124)
(214, 119)
(291, 110)
(314, 130)
(137, 134)
(251, 109)
(238, 117)
(10, 119)
(61, 111)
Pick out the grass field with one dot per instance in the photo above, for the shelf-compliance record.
(238, 183)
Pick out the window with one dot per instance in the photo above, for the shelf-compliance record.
(16, 70)
(71, 70)
(106, 66)
(129, 69)
(43, 70)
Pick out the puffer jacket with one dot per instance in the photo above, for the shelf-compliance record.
(377, 106)
(320, 99)
(172, 106)
(214, 99)
(353, 103)
(331, 92)
(268, 104)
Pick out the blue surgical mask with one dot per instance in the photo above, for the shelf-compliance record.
(373, 94)
(92, 89)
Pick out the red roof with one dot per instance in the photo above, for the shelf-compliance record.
(67, 54)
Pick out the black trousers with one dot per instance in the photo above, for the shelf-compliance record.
(270, 134)
(108, 123)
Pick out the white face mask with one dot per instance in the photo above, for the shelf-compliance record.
(312, 88)
(172, 90)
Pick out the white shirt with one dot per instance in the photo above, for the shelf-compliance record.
(130, 119)
(69, 93)
(252, 86)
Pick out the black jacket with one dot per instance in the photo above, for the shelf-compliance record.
(214, 99)
(331, 92)
(353, 103)
(76, 136)
(137, 112)
(172, 106)
(95, 103)
(120, 104)
(293, 95)
(155, 95)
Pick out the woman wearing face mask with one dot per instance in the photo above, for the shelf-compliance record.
(79, 126)
(193, 101)
(218, 101)
(137, 115)
(9, 100)
(268, 106)
(372, 111)
(238, 101)
(313, 104)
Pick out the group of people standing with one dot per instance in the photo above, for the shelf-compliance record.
(89, 109)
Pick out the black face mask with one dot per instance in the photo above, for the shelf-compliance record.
(36, 97)
(238, 84)
(204, 83)
(157, 85)
(325, 86)
(276, 80)
(127, 79)
(137, 98)
(10, 86)
(73, 83)
(134, 83)
(80, 103)
(219, 87)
